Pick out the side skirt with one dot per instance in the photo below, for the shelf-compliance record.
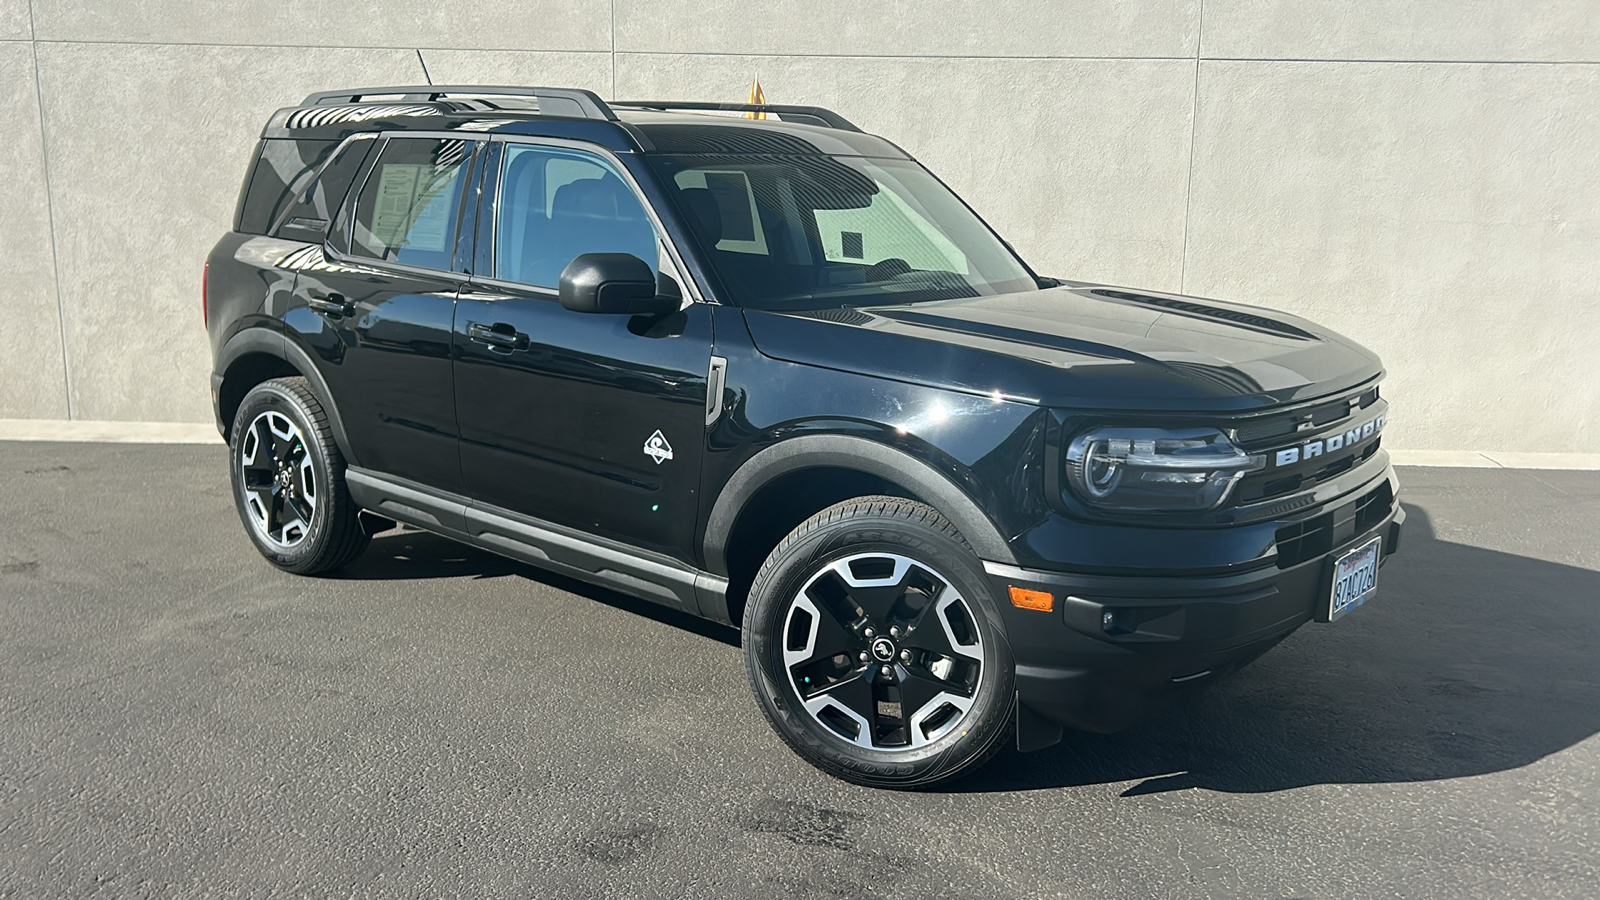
(612, 564)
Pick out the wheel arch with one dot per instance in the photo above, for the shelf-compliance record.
(255, 355)
(784, 484)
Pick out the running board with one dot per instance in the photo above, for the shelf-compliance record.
(612, 564)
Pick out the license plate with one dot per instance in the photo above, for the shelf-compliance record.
(1355, 577)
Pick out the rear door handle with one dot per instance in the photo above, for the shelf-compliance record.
(332, 304)
(499, 336)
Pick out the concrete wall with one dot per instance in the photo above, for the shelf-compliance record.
(1423, 176)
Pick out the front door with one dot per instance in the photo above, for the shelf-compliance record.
(592, 421)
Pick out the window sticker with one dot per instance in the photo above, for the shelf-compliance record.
(408, 211)
(430, 223)
(397, 188)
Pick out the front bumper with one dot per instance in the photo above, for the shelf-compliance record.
(1119, 648)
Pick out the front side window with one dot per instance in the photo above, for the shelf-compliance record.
(812, 232)
(556, 204)
(408, 208)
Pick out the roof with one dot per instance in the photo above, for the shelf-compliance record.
(651, 126)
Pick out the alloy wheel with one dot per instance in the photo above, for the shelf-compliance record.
(883, 651)
(278, 479)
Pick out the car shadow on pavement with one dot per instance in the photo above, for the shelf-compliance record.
(1469, 661)
(407, 553)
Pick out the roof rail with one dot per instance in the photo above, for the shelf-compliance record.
(817, 115)
(572, 102)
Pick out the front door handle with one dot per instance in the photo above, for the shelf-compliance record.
(332, 304)
(500, 336)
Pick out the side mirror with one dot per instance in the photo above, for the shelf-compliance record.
(615, 283)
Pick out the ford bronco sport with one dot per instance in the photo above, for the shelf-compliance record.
(774, 373)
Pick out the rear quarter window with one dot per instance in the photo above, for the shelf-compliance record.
(283, 168)
(311, 209)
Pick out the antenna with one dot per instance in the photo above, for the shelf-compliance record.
(424, 65)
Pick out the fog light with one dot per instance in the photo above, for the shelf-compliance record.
(1108, 620)
(1041, 601)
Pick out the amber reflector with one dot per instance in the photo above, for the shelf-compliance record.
(1022, 598)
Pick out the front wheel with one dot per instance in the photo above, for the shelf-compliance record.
(875, 648)
(288, 480)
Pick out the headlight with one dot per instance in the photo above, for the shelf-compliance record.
(1155, 469)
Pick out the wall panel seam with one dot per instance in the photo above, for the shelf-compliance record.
(260, 46)
(872, 56)
(50, 218)
(1194, 126)
(1128, 57)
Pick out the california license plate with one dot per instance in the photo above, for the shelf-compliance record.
(1355, 577)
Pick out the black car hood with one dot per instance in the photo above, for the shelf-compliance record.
(1079, 345)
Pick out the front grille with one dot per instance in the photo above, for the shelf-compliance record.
(1264, 428)
(1318, 535)
(1268, 433)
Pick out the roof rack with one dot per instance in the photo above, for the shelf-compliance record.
(816, 114)
(573, 102)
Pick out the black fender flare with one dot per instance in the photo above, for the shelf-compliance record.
(840, 451)
(271, 342)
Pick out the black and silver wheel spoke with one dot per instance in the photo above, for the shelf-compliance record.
(832, 640)
(291, 516)
(284, 443)
(854, 698)
(918, 688)
(883, 651)
(944, 628)
(932, 705)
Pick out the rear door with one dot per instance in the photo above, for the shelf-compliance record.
(592, 421)
(380, 311)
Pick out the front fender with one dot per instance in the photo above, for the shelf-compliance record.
(861, 454)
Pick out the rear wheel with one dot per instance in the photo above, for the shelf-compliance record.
(288, 480)
(875, 649)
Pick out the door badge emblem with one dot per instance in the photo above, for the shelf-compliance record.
(657, 448)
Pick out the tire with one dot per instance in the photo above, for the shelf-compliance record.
(288, 480)
(815, 646)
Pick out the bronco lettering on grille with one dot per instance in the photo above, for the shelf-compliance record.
(1288, 456)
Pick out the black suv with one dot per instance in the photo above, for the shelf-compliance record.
(769, 370)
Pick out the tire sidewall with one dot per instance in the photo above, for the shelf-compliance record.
(274, 397)
(792, 565)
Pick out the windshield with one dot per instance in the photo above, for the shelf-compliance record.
(812, 232)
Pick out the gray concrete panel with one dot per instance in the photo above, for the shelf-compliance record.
(31, 369)
(1475, 30)
(1081, 164)
(490, 24)
(1446, 216)
(140, 197)
(15, 22)
(581, 70)
(945, 28)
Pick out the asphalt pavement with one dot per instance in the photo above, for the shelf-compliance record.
(182, 720)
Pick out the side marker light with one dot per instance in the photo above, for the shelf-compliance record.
(1041, 601)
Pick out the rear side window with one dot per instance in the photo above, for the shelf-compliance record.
(283, 169)
(409, 205)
